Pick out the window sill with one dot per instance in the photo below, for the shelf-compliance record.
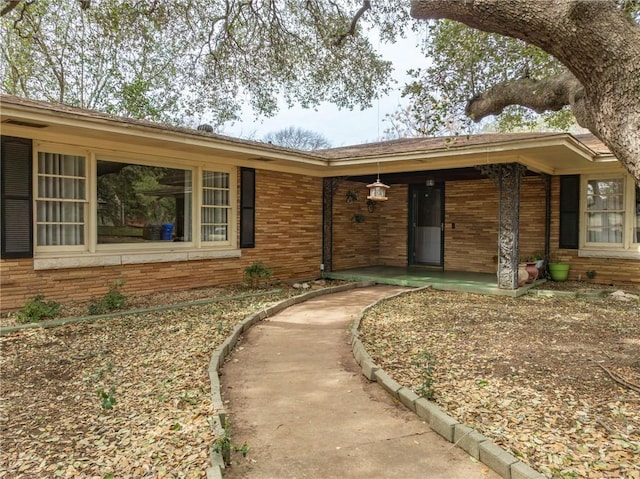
(88, 260)
(613, 254)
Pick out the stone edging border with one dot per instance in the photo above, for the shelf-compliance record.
(466, 438)
(217, 421)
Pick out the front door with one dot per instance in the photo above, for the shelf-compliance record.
(426, 227)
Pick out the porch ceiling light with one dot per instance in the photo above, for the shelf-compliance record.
(377, 191)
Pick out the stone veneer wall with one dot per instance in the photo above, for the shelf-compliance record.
(608, 270)
(288, 240)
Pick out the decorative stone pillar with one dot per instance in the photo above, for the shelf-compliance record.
(508, 179)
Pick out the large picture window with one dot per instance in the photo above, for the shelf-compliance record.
(61, 200)
(139, 204)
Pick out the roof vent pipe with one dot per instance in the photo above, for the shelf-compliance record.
(205, 127)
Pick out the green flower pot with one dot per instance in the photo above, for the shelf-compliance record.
(559, 271)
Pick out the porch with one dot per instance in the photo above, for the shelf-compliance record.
(415, 276)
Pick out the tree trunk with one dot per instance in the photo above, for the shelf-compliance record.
(597, 43)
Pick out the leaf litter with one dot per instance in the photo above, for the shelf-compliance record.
(151, 369)
(525, 372)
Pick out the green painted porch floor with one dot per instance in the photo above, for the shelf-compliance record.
(482, 283)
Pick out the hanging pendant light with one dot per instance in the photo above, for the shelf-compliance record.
(377, 189)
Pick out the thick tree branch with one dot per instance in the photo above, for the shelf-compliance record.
(366, 5)
(549, 94)
(596, 41)
(10, 5)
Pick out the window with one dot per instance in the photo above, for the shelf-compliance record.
(215, 206)
(611, 212)
(61, 200)
(105, 207)
(141, 204)
(605, 211)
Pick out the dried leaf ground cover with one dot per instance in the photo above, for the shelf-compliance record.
(525, 372)
(58, 417)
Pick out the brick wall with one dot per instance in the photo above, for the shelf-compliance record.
(473, 207)
(394, 218)
(608, 270)
(288, 240)
(354, 244)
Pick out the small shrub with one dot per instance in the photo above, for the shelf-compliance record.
(256, 273)
(591, 273)
(36, 309)
(113, 300)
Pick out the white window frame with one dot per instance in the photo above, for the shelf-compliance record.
(94, 254)
(58, 150)
(628, 248)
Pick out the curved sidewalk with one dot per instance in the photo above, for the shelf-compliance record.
(297, 397)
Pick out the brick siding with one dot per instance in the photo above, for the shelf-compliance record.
(608, 270)
(288, 240)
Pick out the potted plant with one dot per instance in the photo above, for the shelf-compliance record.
(538, 257)
(558, 270)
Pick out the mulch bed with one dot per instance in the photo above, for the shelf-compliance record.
(534, 374)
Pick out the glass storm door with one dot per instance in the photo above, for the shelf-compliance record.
(426, 232)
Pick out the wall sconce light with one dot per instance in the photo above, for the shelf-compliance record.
(430, 182)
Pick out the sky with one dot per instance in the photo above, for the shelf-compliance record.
(341, 127)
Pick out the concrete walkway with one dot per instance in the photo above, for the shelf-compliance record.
(296, 396)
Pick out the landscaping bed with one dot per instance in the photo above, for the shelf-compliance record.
(123, 397)
(534, 374)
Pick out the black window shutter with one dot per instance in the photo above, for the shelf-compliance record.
(16, 214)
(247, 208)
(569, 211)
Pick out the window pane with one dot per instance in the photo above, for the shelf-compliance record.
(215, 179)
(60, 212)
(605, 194)
(61, 165)
(58, 234)
(139, 204)
(605, 227)
(63, 188)
(214, 233)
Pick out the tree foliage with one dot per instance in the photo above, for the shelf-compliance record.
(168, 60)
(464, 63)
(299, 138)
(186, 58)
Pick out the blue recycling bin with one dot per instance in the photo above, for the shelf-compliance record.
(167, 231)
